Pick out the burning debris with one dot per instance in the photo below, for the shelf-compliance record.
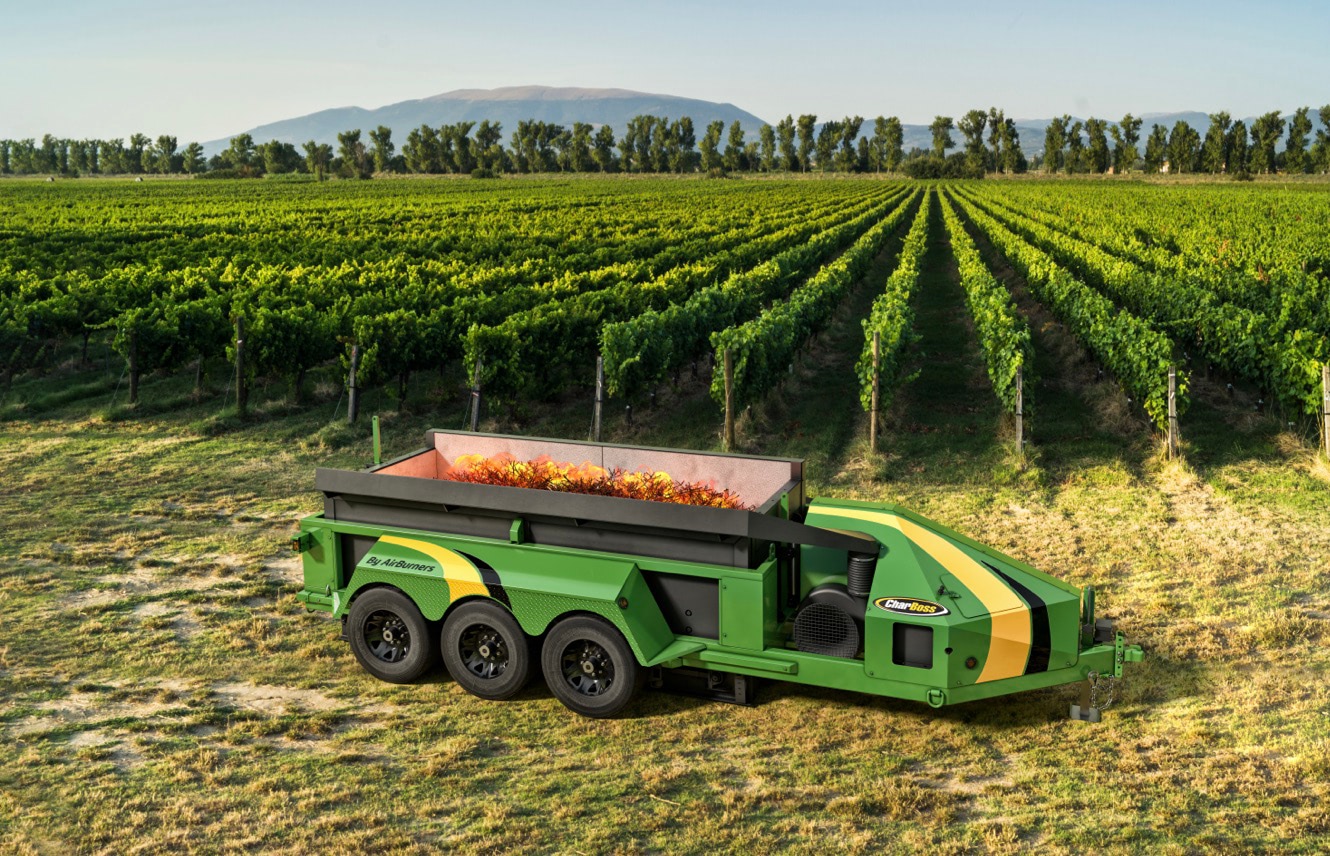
(544, 473)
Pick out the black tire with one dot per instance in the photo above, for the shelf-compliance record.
(485, 650)
(390, 637)
(589, 667)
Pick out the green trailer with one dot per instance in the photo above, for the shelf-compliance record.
(604, 594)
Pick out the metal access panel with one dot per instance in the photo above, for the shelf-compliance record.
(691, 605)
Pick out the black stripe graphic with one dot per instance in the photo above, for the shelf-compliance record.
(489, 577)
(1041, 641)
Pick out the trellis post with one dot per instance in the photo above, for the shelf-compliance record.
(1020, 413)
(1172, 412)
(133, 367)
(872, 414)
(475, 395)
(600, 399)
(729, 401)
(242, 389)
(353, 388)
(1325, 407)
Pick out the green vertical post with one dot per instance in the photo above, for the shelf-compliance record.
(378, 447)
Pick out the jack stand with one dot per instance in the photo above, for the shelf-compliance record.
(1086, 711)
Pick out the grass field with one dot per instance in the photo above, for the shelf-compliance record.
(164, 691)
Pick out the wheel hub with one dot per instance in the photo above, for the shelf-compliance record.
(484, 651)
(387, 637)
(588, 668)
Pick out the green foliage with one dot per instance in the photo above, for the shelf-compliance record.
(1295, 152)
(1128, 346)
(763, 349)
(972, 125)
(641, 352)
(1267, 326)
(927, 167)
(285, 338)
(562, 337)
(1239, 154)
(146, 336)
(391, 344)
(1156, 148)
(643, 272)
(1004, 337)
(1184, 148)
(214, 174)
(1265, 133)
(1126, 133)
(892, 317)
(1055, 138)
(941, 130)
(930, 167)
(14, 337)
(1215, 148)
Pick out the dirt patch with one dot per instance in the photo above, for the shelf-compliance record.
(139, 582)
(105, 746)
(90, 739)
(154, 576)
(275, 701)
(87, 707)
(286, 569)
(184, 625)
(970, 786)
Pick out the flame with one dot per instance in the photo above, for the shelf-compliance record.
(544, 473)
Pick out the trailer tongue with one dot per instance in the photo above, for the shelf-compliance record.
(602, 592)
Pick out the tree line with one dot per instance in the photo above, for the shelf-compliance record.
(1228, 146)
(657, 144)
(650, 144)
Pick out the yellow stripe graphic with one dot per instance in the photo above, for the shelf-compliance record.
(1009, 645)
(462, 576)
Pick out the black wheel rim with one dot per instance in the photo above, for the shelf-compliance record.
(484, 651)
(587, 667)
(387, 636)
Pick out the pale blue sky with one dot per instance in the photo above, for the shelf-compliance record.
(203, 71)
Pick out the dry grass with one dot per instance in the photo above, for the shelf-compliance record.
(257, 729)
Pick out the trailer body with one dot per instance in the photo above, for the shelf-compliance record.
(866, 597)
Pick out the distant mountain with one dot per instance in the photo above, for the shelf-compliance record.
(509, 105)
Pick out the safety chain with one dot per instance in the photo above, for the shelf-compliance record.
(1101, 684)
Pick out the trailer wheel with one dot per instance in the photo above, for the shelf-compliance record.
(390, 637)
(589, 667)
(485, 650)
